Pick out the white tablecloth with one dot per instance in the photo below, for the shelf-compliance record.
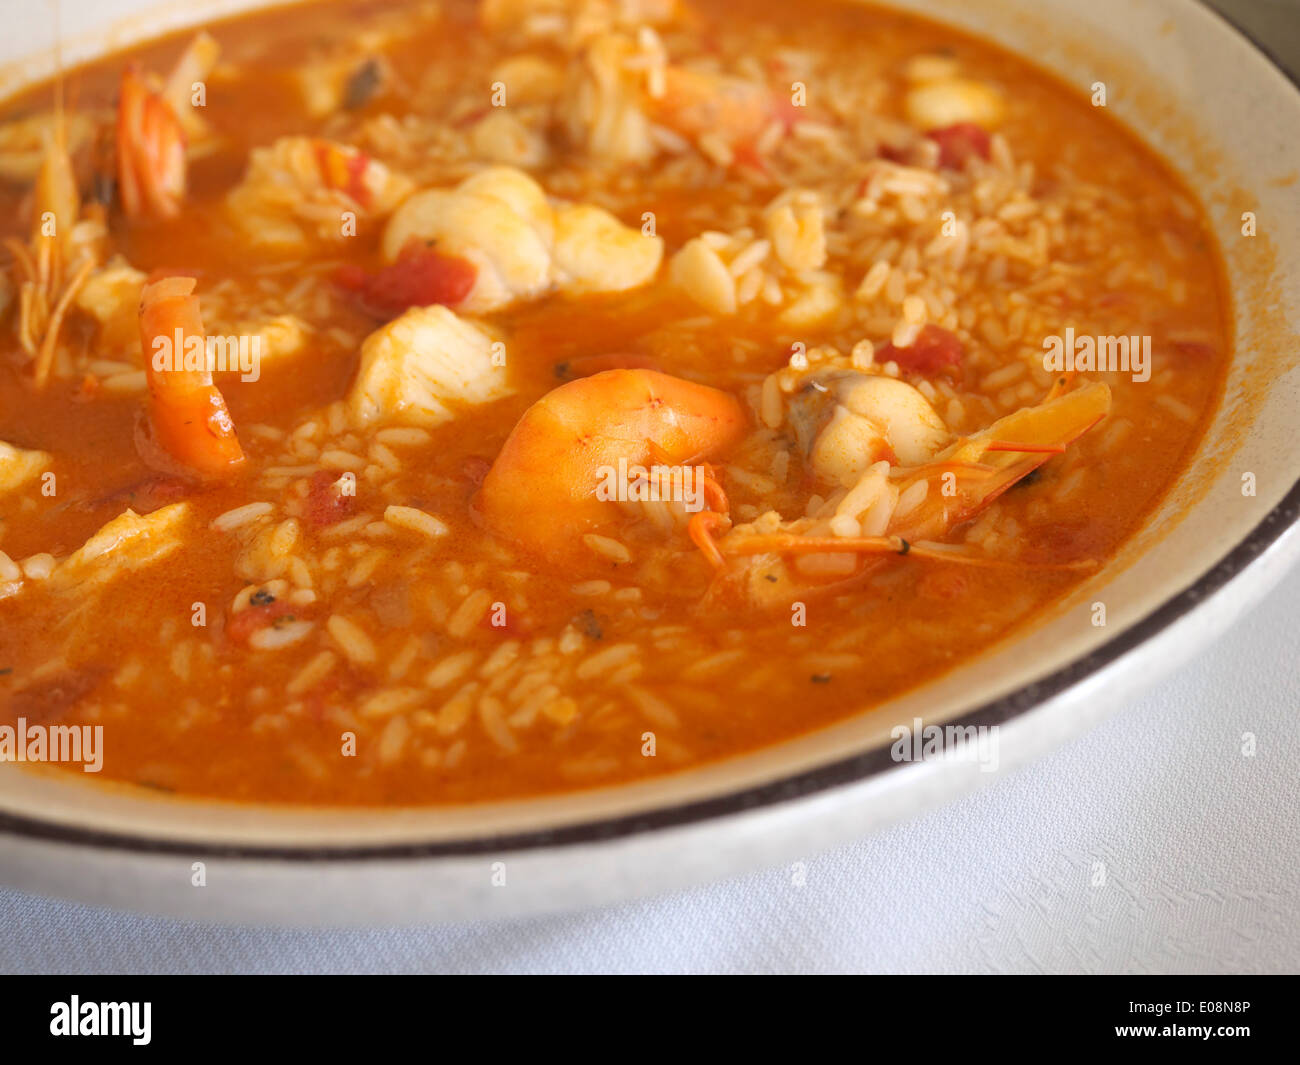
(1198, 846)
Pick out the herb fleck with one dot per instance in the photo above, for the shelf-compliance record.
(363, 84)
(590, 625)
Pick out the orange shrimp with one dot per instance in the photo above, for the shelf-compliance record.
(52, 267)
(150, 150)
(542, 491)
(156, 122)
(190, 423)
(698, 103)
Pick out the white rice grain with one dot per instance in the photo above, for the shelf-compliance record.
(240, 516)
(352, 640)
(416, 521)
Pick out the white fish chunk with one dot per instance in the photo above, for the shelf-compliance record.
(128, 542)
(421, 367)
(18, 466)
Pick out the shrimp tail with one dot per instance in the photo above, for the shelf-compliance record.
(191, 425)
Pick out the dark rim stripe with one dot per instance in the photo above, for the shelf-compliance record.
(836, 774)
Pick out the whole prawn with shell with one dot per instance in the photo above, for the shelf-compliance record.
(140, 152)
(895, 481)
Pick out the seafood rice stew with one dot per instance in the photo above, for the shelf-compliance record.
(409, 403)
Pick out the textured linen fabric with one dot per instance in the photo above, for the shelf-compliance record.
(1151, 844)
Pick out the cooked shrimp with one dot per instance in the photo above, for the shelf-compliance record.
(898, 510)
(299, 188)
(60, 256)
(626, 86)
(190, 423)
(520, 245)
(696, 103)
(155, 124)
(542, 491)
(150, 150)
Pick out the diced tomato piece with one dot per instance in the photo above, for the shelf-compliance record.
(933, 351)
(893, 153)
(420, 277)
(325, 505)
(243, 625)
(747, 155)
(344, 170)
(959, 142)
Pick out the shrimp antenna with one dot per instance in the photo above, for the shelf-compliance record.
(60, 130)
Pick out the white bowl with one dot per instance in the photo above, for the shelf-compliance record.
(1228, 120)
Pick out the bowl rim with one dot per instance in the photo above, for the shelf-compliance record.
(855, 769)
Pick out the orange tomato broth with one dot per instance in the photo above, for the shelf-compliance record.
(224, 752)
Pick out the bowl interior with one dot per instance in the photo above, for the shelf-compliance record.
(1198, 93)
